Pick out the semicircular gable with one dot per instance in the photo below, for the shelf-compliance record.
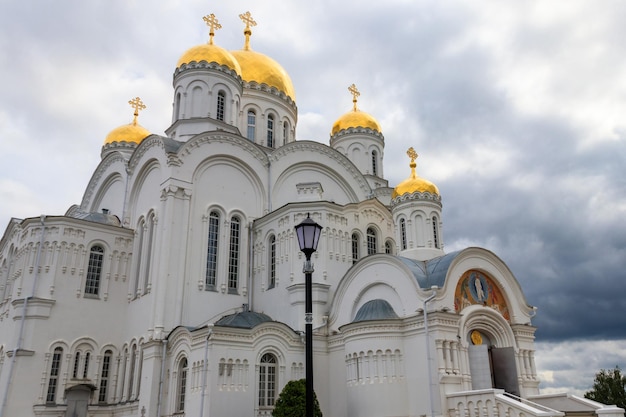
(375, 277)
(114, 163)
(320, 159)
(477, 276)
(145, 190)
(110, 195)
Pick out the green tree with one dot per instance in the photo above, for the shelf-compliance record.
(608, 387)
(292, 401)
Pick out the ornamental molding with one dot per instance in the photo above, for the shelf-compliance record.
(356, 131)
(103, 167)
(253, 85)
(152, 141)
(417, 196)
(194, 67)
(219, 137)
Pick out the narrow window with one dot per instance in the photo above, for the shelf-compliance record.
(270, 131)
(182, 385)
(148, 253)
(371, 241)
(140, 232)
(76, 365)
(285, 133)
(131, 371)
(53, 380)
(435, 232)
(267, 380)
(272, 262)
(251, 124)
(374, 163)
(403, 233)
(211, 260)
(86, 365)
(388, 248)
(233, 258)
(104, 377)
(355, 247)
(94, 269)
(221, 99)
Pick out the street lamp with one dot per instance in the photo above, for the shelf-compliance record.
(308, 237)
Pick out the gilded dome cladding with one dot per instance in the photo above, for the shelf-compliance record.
(355, 118)
(414, 183)
(132, 133)
(264, 70)
(210, 53)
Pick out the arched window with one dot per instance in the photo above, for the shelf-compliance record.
(76, 365)
(371, 241)
(104, 377)
(435, 232)
(403, 234)
(272, 262)
(285, 132)
(270, 131)
(211, 259)
(233, 257)
(177, 109)
(251, 124)
(86, 365)
(355, 247)
(53, 379)
(374, 163)
(221, 100)
(131, 371)
(181, 390)
(139, 236)
(267, 380)
(388, 248)
(94, 270)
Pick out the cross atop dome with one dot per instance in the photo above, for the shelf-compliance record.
(213, 24)
(136, 104)
(249, 21)
(413, 155)
(355, 94)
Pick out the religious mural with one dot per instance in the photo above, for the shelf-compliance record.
(475, 287)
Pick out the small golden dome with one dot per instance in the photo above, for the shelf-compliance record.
(356, 117)
(133, 132)
(210, 53)
(414, 183)
(264, 70)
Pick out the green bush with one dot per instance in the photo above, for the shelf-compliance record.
(292, 401)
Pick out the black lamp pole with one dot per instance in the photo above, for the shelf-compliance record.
(308, 237)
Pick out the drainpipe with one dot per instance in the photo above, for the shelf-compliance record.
(164, 351)
(428, 358)
(206, 368)
(23, 319)
(250, 264)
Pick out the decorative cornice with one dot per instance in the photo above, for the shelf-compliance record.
(221, 137)
(417, 196)
(204, 65)
(253, 85)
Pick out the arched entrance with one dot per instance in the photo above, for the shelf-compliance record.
(491, 366)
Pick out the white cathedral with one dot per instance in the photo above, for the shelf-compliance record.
(175, 287)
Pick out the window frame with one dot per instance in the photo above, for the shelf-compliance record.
(213, 240)
(94, 271)
(233, 255)
(53, 375)
(372, 241)
(181, 384)
(268, 380)
(251, 130)
(271, 262)
(220, 106)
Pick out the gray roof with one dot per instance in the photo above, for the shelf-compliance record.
(375, 310)
(431, 272)
(243, 320)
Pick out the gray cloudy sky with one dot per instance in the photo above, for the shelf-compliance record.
(517, 109)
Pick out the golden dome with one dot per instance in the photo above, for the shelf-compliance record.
(261, 68)
(133, 132)
(264, 70)
(356, 117)
(414, 183)
(210, 53)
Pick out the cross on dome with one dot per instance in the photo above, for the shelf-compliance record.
(213, 24)
(136, 104)
(249, 21)
(355, 94)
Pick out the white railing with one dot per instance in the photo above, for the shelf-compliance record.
(495, 403)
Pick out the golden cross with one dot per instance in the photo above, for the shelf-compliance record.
(213, 24)
(136, 104)
(355, 94)
(249, 21)
(412, 154)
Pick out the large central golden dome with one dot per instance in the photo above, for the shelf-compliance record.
(264, 70)
(414, 183)
(210, 53)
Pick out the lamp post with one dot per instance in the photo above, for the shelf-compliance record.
(308, 237)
